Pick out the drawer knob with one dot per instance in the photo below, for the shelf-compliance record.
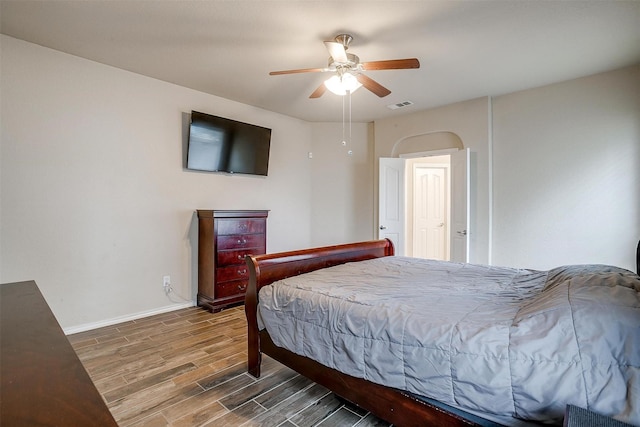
(242, 271)
(242, 242)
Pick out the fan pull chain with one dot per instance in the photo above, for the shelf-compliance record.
(344, 141)
(350, 140)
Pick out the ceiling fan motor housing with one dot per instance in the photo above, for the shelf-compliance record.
(353, 63)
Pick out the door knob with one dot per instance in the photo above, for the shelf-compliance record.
(383, 227)
(462, 233)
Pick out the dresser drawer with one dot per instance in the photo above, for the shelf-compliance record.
(227, 289)
(234, 257)
(241, 226)
(242, 241)
(234, 272)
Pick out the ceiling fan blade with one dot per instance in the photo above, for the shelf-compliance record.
(301, 70)
(319, 91)
(391, 64)
(373, 85)
(337, 52)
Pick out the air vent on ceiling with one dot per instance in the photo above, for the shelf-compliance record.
(399, 105)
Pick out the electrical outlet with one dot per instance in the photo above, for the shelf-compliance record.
(166, 281)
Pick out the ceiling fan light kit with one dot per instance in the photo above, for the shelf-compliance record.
(341, 84)
(347, 70)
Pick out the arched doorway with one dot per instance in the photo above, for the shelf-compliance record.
(416, 190)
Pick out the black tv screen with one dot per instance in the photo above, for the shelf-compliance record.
(217, 144)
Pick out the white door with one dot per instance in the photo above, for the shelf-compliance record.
(460, 206)
(430, 213)
(391, 202)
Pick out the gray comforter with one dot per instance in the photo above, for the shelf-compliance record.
(510, 342)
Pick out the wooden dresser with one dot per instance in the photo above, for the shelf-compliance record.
(225, 237)
(42, 381)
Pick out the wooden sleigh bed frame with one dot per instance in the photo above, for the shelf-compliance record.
(392, 405)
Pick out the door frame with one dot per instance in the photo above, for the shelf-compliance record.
(406, 156)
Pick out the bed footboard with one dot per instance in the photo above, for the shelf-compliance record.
(268, 268)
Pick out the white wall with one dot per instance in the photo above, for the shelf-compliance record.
(96, 205)
(557, 177)
(567, 173)
(342, 185)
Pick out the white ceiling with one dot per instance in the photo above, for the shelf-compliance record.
(467, 49)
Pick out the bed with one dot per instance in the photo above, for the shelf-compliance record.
(500, 346)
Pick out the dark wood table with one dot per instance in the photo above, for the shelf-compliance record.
(42, 381)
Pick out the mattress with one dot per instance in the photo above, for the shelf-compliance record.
(515, 343)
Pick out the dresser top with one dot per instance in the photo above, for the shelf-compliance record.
(42, 380)
(232, 213)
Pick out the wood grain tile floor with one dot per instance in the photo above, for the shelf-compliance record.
(188, 368)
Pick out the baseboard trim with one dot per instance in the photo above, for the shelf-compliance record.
(114, 321)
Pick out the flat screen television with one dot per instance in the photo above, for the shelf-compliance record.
(217, 144)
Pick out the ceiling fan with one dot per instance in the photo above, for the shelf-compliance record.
(347, 70)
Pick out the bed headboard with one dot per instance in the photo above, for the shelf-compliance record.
(638, 259)
(273, 267)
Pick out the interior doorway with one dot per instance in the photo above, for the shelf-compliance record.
(423, 204)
